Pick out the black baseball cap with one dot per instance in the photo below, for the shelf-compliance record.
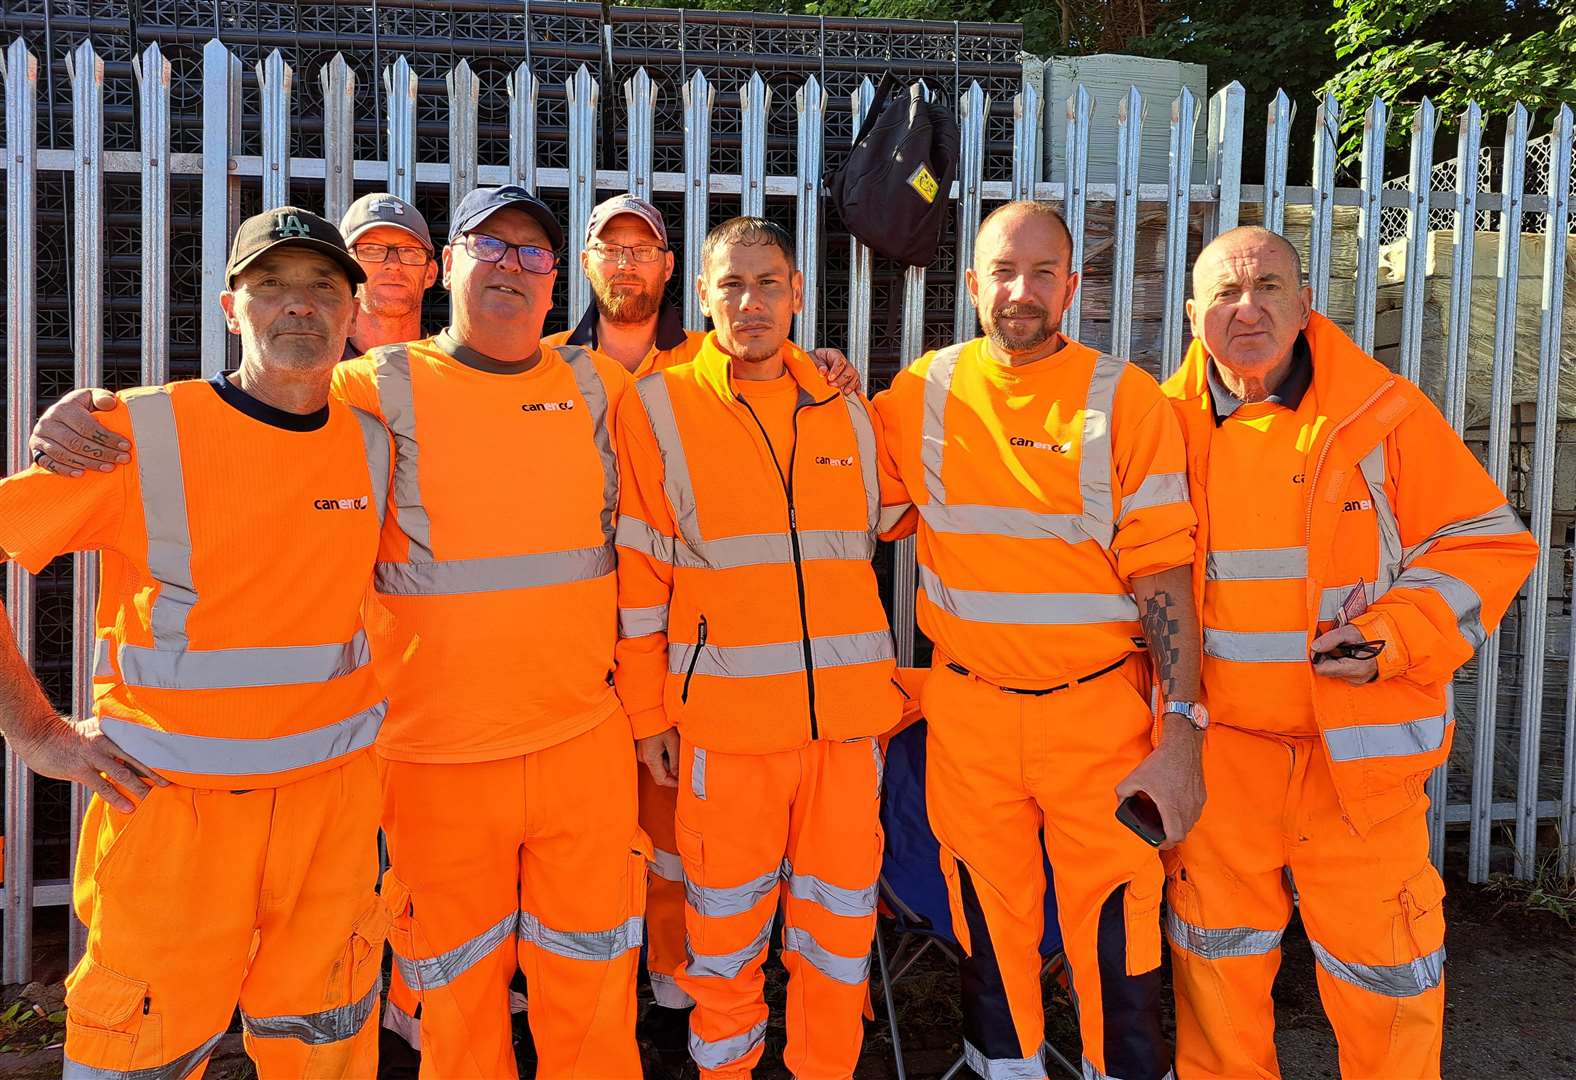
(289, 225)
(482, 203)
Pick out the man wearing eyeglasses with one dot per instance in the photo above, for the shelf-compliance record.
(379, 230)
(1352, 554)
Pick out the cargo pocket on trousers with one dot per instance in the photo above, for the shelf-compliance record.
(1421, 928)
(399, 921)
(640, 857)
(1141, 917)
(109, 1022)
(355, 987)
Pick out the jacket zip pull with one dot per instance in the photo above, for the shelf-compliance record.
(700, 642)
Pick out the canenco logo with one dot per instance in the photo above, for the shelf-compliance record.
(547, 406)
(1055, 448)
(341, 504)
(822, 459)
(1357, 504)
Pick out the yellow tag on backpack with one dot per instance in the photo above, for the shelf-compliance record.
(923, 182)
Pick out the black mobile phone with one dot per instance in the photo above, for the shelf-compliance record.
(1139, 813)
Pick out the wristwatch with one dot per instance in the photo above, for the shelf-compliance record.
(1192, 711)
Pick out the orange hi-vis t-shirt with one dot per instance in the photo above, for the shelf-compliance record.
(772, 402)
(1255, 580)
(497, 555)
(1043, 490)
(672, 345)
(235, 556)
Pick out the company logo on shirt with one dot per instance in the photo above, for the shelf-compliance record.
(1055, 448)
(1357, 504)
(822, 459)
(340, 504)
(547, 406)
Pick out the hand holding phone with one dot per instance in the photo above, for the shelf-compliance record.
(1139, 813)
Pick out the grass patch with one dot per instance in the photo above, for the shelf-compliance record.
(1548, 891)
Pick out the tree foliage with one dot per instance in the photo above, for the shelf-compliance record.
(1493, 52)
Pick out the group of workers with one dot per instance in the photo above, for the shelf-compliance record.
(587, 624)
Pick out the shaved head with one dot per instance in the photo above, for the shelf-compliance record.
(1007, 215)
(1232, 239)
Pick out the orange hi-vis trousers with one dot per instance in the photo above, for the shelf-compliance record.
(664, 894)
(1000, 768)
(1272, 835)
(535, 861)
(200, 900)
(799, 829)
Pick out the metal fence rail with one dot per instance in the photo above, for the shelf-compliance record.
(1133, 241)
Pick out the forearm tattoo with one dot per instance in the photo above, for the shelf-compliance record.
(1164, 633)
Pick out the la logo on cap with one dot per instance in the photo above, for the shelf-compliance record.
(288, 225)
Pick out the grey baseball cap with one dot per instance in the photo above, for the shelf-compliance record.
(381, 208)
(619, 205)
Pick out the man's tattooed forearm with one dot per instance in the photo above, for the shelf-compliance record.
(1162, 630)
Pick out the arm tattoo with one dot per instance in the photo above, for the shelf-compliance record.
(1162, 631)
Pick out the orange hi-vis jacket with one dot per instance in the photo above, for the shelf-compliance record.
(748, 609)
(498, 551)
(1042, 490)
(235, 559)
(672, 346)
(1398, 504)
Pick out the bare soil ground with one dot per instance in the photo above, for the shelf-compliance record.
(1510, 996)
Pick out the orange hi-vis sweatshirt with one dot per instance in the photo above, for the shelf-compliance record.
(1394, 502)
(1042, 490)
(498, 551)
(235, 558)
(748, 609)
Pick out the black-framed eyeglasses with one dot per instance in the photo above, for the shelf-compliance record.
(378, 254)
(1352, 650)
(490, 249)
(614, 253)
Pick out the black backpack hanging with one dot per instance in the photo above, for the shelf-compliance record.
(894, 190)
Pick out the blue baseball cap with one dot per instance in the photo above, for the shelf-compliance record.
(481, 203)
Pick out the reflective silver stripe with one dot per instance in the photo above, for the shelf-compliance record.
(852, 970)
(719, 902)
(640, 621)
(1157, 489)
(102, 668)
(496, 574)
(402, 1024)
(166, 750)
(723, 1052)
(397, 400)
(429, 973)
(1331, 599)
(1386, 740)
(1096, 519)
(698, 772)
(1501, 521)
(1391, 980)
(781, 658)
(1092, 1073)
(667, 865)
(1265, 647)
(727, 965)
(1218, 944)
(865, 439)
(653, 391)
(1027, 609)
(163, 482)
(1462, 598)
(178, 1069)
(1390, 553)
(375, 438)
(875, 749)
(764, 549)
(227, 669)
(1026, 1068)
(1257, 564)
(594, 393)
(837, 899)
(319, 1028)
(595, 945)
(636, 535)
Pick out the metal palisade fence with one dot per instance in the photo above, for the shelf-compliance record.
(1514, 768)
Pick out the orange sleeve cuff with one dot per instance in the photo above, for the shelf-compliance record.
(649, 722)
(1393, 659)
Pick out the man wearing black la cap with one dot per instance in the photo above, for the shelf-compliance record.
(227, 857)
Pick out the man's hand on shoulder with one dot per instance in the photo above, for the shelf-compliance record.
(68, 440)
(838, 371)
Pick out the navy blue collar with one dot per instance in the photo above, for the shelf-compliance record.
(670, 328)
(1288, 394)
